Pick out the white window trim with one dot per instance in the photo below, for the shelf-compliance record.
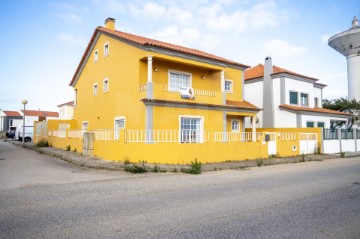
(178, 72)
(298, 95)
(97, 89)
(232, 86)
(238, 123)
(108, 47)
(316, 99)
(201, 125)
(303, 93)
(96, 55)
(106, 80)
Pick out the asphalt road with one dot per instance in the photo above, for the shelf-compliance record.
(42, 197)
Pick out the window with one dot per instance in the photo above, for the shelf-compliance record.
(106, 84)
(293, 98)
(321, 124)
(310, 124)
(304, 99)
(235, 125)
(96, 55)
(119, 123)
(179, 80)
(228, 86)
(316, 102)
(106, 49)
(191, 129)
(95, 89)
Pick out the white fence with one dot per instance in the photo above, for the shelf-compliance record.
(341, 140)
(165, 136)
(236, 136)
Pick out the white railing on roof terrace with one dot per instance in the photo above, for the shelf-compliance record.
(236, 137)
(75, 133)
(165, 136)
(106, 134)
(196, 91)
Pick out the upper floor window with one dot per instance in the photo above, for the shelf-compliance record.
(96, 55)
(293, 98)
(316, 102)
(106, 85)
(304, 99)
(95, 89)
(228, 86)
(310, 124)
(179, 80)
(235, 125)
(106, 49)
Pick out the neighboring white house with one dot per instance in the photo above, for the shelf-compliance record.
(38, 115)
(66, 110)
(288, 99)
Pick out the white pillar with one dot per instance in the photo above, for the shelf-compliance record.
(254, 128)
(222, 78)
(149, 77)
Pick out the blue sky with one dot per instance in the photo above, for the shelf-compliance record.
(42, 41)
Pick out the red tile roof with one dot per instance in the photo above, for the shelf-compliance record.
(70, 103)
(144, 41)
(258, 71)
(314, 110)
(12, 113)
(244, 105)
(40, 113)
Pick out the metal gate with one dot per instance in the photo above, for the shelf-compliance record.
(271, 141)
(308, 143)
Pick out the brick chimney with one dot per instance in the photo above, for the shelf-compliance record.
(110, 23)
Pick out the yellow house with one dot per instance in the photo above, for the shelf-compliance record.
(145, 100)
(150, 87)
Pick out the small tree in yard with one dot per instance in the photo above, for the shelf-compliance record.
(347, 106)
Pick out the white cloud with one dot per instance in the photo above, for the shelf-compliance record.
(281, 48)
(71, 39)
(69, 17)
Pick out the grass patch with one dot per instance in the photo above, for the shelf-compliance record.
(133, 168)
(342, 154)
(42, 143)
(259, 162)
(157, 169)
(195, 168)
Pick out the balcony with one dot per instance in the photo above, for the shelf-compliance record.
(162, 91)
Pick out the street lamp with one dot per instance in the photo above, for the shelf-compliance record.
(24, 102)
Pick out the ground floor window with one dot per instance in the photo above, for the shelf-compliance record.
(191, 129)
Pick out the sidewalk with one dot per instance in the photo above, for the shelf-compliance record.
(97, 163)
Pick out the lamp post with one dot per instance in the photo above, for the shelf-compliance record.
(24, 102)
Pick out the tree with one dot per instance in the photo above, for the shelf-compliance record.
(344, 105)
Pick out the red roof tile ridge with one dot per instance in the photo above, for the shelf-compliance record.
(315, 109)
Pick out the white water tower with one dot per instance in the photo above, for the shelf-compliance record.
(348, 44)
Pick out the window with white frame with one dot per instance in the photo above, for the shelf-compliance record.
(304, 99)
(235, 125)
(191, 129)
(119, 123)
(106, 49)
(96, 55)
(106, 85)
(95, 89)
(310, 124)
(179, 80)
(228, 86)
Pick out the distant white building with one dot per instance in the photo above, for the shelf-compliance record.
(288, 99)
(66, 110)
(38, 115)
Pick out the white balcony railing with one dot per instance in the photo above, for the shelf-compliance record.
(165, 136)
(236, 137)
(196, 91)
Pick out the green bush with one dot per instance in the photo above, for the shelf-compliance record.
(126, 160)
(135, 168)
(68, 148)
(42, 143)
(195, 168)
